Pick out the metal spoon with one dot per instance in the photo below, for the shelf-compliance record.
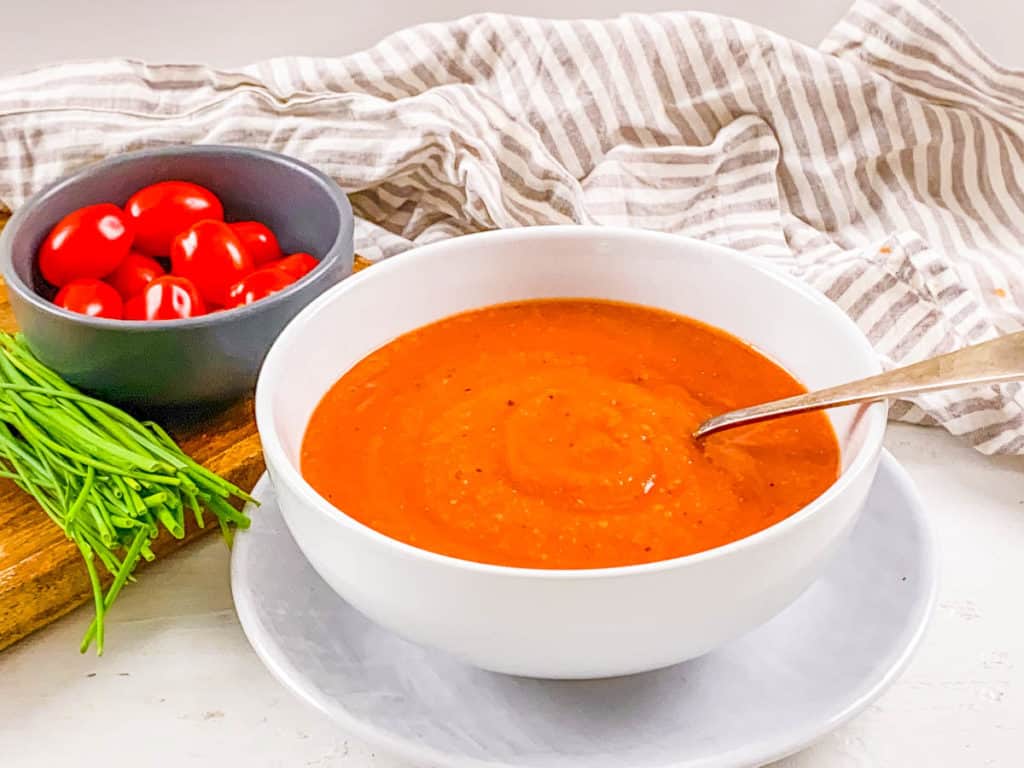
(991, 362)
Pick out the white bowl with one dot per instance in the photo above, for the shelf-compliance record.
(583, 623)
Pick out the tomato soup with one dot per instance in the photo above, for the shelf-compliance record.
(557, 434)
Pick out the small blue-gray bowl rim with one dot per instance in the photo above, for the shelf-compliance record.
(336, 251)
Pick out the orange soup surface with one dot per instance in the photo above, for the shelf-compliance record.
(557, 434)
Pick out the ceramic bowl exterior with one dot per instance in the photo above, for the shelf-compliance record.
(178, 363)
(584, 623)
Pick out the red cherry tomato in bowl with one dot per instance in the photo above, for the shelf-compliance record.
(258, 285)
(210, 254)
(134, 273)
(135, 308)
(258, 240)
(89, 296)
(89, 242)
(166, 298)
(161, 211)
(296, 265)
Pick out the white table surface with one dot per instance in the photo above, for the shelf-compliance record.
(179, 685)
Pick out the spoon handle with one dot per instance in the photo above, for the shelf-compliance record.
(990, 362)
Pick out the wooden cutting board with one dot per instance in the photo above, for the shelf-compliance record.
(42, 576)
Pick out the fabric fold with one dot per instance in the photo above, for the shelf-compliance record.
(883, 167)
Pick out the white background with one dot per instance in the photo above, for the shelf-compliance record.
(231, 32)
(180, 686)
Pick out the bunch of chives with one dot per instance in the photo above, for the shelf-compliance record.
(109, 481)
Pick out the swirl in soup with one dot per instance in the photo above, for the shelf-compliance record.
(557, 434)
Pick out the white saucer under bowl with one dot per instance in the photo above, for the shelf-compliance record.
(762, 697)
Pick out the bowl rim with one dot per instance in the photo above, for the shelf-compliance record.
(336, 251)
(284, 471)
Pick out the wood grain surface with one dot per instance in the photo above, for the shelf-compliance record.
(42, 576)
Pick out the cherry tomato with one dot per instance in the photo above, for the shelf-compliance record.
(135, 308)
(211, 256)
(134, 273)
(89, 296)
(166, 298)
(89, 242)
(258, 285)
(258, 240)
(160, 211)
(296, 265)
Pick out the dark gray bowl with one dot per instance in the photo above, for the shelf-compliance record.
(197, 361)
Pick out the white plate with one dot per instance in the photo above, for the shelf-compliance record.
(758, 699)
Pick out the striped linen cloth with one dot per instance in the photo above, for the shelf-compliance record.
(884, 167)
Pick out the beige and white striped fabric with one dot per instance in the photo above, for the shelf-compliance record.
(884, 167)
